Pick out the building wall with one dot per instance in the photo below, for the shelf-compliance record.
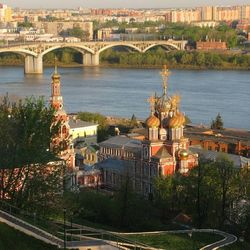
(211, 45)
(56, 27)
(83, 131)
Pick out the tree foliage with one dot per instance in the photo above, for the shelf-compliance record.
(26, 131)
(209, 193)
(217, 123)
(184, 59)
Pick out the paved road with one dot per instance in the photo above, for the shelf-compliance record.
(228, 239)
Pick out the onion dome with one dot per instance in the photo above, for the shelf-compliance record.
(163, 104)
(153, 122)
(177, 121)
(183, 154)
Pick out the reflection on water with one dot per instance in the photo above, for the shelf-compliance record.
(122, 92)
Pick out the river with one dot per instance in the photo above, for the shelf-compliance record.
(123, 92)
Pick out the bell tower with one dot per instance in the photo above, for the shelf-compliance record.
(62, 141)
(56, 99)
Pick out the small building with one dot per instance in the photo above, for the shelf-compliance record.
(88, 176)
(82, 130)
(238, 161)
(86, 154)
(232, 141)
(211, 45)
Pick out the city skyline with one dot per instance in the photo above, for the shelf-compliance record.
(119, 3)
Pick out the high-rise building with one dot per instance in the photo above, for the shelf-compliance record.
(5, 13)
(207, 13)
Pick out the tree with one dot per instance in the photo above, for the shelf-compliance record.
(133, 121)
(226, 174)
(76, 32)
(26, 131)
(102, 132)
(200, 58)
(163, 187)
(217, 123)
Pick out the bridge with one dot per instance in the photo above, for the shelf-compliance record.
(34, 52)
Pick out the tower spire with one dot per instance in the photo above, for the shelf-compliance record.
(55, 61)
(165, 73)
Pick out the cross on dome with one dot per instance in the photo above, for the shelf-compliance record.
(165, 73)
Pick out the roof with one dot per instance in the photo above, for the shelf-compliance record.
(162, 153)
(114, 164)
(124, 142)
(228, 135)
(88, 170)
(238, 160)
(77, 123)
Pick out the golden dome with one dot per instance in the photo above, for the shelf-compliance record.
(163, 104)
(153, 122)
(177, 121)
(183, 154)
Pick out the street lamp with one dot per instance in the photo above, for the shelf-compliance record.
(190, 234)
(64, 228)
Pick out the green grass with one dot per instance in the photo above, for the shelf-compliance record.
(177, 241)
(16, 240)
(238, 246)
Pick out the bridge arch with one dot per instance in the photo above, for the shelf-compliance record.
(79, 48)
(19, 51)
(120, 45)
(165, 44)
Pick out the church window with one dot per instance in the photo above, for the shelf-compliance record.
(145, 152)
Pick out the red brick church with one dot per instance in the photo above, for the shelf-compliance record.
(164, 151)
(62, 140)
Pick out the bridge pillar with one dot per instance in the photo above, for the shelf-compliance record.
(33, 65)
(95, 59)
(90, 59)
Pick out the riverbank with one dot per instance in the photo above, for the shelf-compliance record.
(187, 60)
(120, 66)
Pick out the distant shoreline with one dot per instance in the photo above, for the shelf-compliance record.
(107, 65)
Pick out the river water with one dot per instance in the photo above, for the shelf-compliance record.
(123, 92)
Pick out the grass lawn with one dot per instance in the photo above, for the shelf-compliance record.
(11, 239)
(237, 246)
(176, 241)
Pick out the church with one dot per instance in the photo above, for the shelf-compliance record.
(164, 150)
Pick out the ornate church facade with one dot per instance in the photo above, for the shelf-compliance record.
(164, 150)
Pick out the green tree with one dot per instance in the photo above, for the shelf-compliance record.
(200, 58)
(217, 123)
(26, 131)
(133, 121)
(226, 175)
(76, 32)
(102, 132)
(163, 192)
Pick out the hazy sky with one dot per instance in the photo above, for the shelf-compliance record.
(118, 3)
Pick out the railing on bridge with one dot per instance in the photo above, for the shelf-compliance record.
(80, 235)
(122, 38)
(74, 237)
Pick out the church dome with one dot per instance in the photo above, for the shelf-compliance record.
(163, 104)
(177, 121)
(153, 122)
(183, 154)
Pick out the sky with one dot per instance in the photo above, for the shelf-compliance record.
(118, 3)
